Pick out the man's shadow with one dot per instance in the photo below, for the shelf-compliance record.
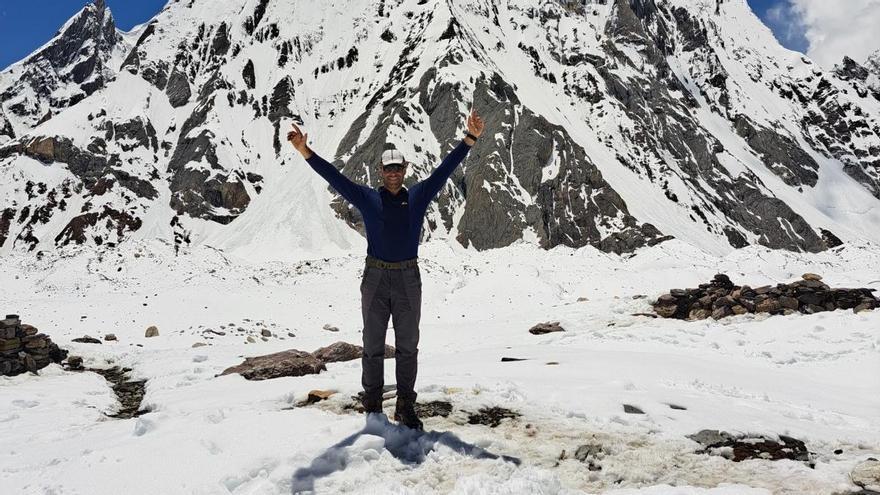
(408, 446)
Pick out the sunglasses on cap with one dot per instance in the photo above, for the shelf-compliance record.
(393, 167)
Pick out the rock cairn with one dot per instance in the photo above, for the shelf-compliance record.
(23, 348)
(721, 298)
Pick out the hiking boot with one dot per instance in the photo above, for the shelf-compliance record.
(405, 414)
(372, 404)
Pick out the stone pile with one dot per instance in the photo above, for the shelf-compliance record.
(721, 298)
(23, 348)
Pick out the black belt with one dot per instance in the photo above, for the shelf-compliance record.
(387, 265)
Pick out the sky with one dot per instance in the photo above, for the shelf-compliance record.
(826, 30)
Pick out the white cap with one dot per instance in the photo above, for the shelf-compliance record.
(392, 156)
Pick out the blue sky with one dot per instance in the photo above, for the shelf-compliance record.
(25, 25)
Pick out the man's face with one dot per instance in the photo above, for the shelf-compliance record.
(392, 175)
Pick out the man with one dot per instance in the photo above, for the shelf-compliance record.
(391, 284)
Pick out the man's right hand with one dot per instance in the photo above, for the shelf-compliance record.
(299, 141)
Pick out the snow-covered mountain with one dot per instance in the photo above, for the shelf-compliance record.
(615, 123)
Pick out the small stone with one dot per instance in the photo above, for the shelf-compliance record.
(75, 362)
(547, 327)
(811, 276)
(9, 344)
(768, 305)
(250, 339)
(739, 310)
(789, 302)
(110, 336)
(699, 314)
(29, 330)
(265, 333)
(721, 312)
(867, 475)
(582, 299)
(511, 359)
(330, 328)
(291, 334)
(584, 452)
(87, 340)
(199, 344)
(632, 409)
(152, 331)
(863, 307)
(319, 395)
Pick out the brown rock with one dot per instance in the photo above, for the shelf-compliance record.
(75, 362)
(319, 395)
(811, 276)
(547, 327)
(763, 289)
(863, 307)
(721, 312)
(29, 329)
(110, 336)
(699, 314)
(85, 339)
(739, 310)
(768, 305)
(789, 302)
(152, 331)
(285, 363)
(343, 351)
(666, 311)
(9, 344)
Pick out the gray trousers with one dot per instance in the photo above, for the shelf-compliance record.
(396, 294)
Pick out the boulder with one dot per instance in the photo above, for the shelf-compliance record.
(285, 363)
(867, 475)
(152, 331)
(87, 340)
(343, 351)
(547, 327)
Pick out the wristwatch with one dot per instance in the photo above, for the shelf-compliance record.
(474, 138)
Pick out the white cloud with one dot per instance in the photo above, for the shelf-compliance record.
(835, 28)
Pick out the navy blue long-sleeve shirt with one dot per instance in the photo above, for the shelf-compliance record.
(393, 222)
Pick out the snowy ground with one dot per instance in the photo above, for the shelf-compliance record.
(815, 377)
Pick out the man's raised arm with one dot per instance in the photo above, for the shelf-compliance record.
(434, 183)
(352, 192)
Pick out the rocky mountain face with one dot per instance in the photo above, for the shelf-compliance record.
(78, 61)
(611, 123)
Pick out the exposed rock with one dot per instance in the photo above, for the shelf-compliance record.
(491, 416)
(152, 331)
(433, 409)
(629, 409)
(867, 475)
(86, 340)
(110, 336)
(285, 363)
(318, 395)
(330, 328)
(343, 351)
(547, 327)
(75, 362)
(178, 89)
(742, 447)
